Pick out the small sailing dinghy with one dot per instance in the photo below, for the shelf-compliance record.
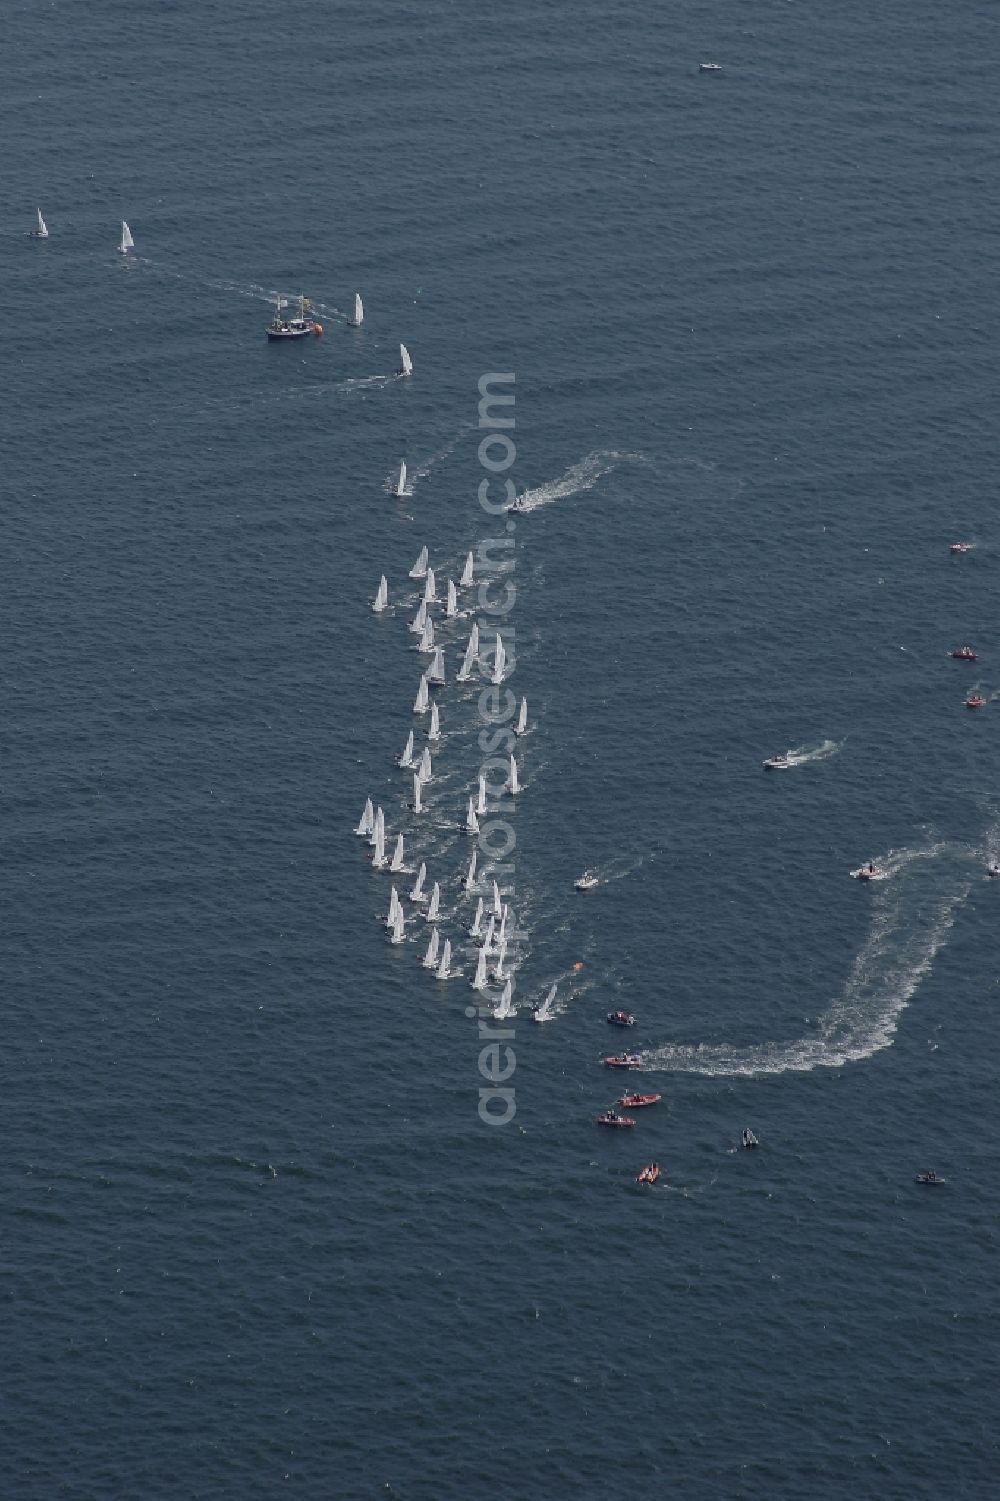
(424, 770)
(395, 907)
(378, 826)
(381, 600)
(479, 979)
(401, 482)
(471, 653)
(406, 759)
(467, 572)
(444, 969)
(430, 959)
(471, 818)
(367, 822)
(499, 662)
(434, 733)
(418, 894)
(544, 1012)
(481, 804)
(748, 1139)
(127, 242)
(513, 782)
(397, 855)
(41, 232)
(417, 805)
(405, 363)
(451, 607)
(435, 672)
(422, 701)
(433, 913)
(427, 637)
(470, 878)
(419, 569)
(430, 588)
(419, 620)
(505, 1008)
(522, 718)
(379, 860)
(398, 933)
(359, 311)
(475, 930)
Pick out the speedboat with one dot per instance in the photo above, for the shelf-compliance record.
(777, 763)
(929, 1177)
(965, 654)
(709, 67)
(975, 701)
(621, 1018)
(748, 1139)
(869, 872)
(649, 1173)
(960, 547)
(623, 1060)
(612, 1118)
(993, 870)
(293, 328)
(587, 881)
(637, 1101)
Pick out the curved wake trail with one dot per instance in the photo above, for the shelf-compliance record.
(801, 755)
(909, 926)
(579, 477)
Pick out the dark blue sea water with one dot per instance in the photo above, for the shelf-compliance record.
(256, 1240)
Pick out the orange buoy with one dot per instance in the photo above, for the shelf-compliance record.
(318, 330)
(579, 964)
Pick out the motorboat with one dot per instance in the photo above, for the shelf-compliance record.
(612, 1118)
(965, 654)
(649, 1173)
(975, 701)
(776, 763)
(299, 327)
(930, 1177)
(960, 547)
(748, 1139)
(623, 1060)
(621, 1018)
(869, 872)
(638, 1101)
(587, 881)
(709, 67)
(993, 870)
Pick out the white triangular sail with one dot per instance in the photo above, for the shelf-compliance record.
(378, 826)
(481, 804)
(491, 928)
(434, 906)
(424, 770)
(427, 637)
(444, 968)
(451, 607)
(479, 983)
(381, 600)
(397, 854)
(522, 718)
(401, 482)
(367, 822)
(419, 620)
(500, 972)
(418, 806)
(545, 1009)
(434, 733)
(499, 661)
(470, 879)
(42, 232)
(406, 759)
(378, 856)
(406, 364)
(418, 894)
(468, 571)
(513, 784)
(476, 928)
(474, 639)
(471, 820)
(398, 928)
(430, 588)
(359, 310)
(502, 931)
(431, 956)
(435, 672)
(419, 569)
(497, 903)
(395, 906)
(127, 242)
(504, 1009)
(422, 700)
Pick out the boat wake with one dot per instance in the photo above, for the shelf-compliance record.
(912, 914)
(580, 477)
(801, 755)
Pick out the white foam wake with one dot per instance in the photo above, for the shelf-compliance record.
(801, 755)
(912, 913)
(581, 476)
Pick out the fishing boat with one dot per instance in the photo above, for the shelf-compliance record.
(127, 243)
(381, 600)
(41, 230)
(649, 1174)
(777, 763)
(359, 312)
(975, 701)
(401, 482)
(616, 1121)
(522, 718)
(623, 1060)
(419, 569)
(869, 872)
(621, 1018)
(405, 363)
(638, 1101)
(367, 822)
(965, 654)
(930, 1177)
(587, 881)
(299, 327)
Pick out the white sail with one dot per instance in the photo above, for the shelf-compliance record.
(127, 241)
(394, 906)
(481, 804)
(418, 894)
(545, 1009)
(401, 482)
(406, 759)
(474, 639)
(430, 588)
(502, 932)
(431, 956)
(505, 1008)
(378, 824)
(522, 718)
(471, 820)
(464, 673)
(513, 784)
(359, 310)
(422, 700)
(367, 819)
(427, 637)
(381, 600)
(397, 854)
(470, 879)
(499, 661)
(434, 907)
(398, 928)
(479, 983)
(489, 935)
(406, 363)
(444, 968)
(434, 733)
(424, 770)
(435, 672)
(419, 620)
(378, 857)
(451, 607)
(474, 931)
(468, 572)
(419, 569)
(500, 972)
(42, 232)
(497, 903)
(418, 806)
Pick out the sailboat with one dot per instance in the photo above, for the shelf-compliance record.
(299, 327)
(475, 929)
(451, 607)
(424, 770)
(499, 972)
(430, 959)
(470, 879)
(418, 894)
(434, 733)
(544, 1012)
(433, 912)
(405, 363)
(419, 620)
(481, 804)
(397, 855)
(359, 311)
(367, 822)
(513, 785)
(471, 653)
(497, 903)
(444, 969)
(471, 819)
(418, 806)
(401, 482)
(378, 858)
(522, 718)
(422, 700)
(479, 982)
(488, 936)
(42, 231)
(395, 907)
(430, 588)
(505, 1008)
(378, 826)
(406, 759)
(127, 243)
(427, 637)
(419, 569)
(381, 600)
(435, 672)
(398, 933)
(467, 572)
(499, 662)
